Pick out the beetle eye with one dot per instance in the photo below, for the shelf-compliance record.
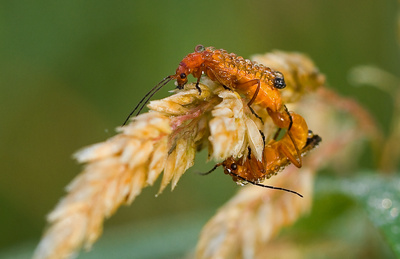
(233, 166)
(183, 75)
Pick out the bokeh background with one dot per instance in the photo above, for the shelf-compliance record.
(71, 71)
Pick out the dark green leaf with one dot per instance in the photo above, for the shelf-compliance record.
(378, 196)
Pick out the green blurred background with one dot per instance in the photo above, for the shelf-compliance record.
(71, 71)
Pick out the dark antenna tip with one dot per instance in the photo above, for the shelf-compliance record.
(212, 170)
(147, 97)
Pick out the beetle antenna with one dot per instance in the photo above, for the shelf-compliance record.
(212, 170)
(266, 186)
(147, 97)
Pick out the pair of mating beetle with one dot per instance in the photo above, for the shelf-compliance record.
(261, 85)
